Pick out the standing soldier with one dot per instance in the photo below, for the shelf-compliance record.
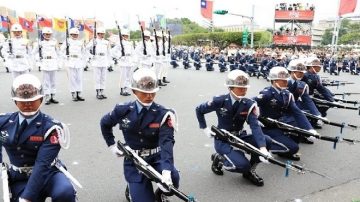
(49, 64)
(16, 52)
(148, 129)
(74, 53)
(32, 141)
(159, 57)
(125, 62)
(100, 61)
(166, 60)
(145, 51)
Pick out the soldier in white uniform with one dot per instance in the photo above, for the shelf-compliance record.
(125, 62)
(166, 61)
(16, 52)
(49, 64)
(145, 60)
(159, 57)
(100, 61)
(75, 62)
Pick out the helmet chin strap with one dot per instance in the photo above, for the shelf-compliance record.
(142, 103)
(236, 96)
(297, 78)
(30, 114)
(279, 87)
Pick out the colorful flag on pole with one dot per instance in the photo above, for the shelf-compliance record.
(142, 24)
(88, 28)
(347, 6)
(206, 9)
(3, 23)
(44, 22)
(80, 25)
(27, 25)
(59, 25)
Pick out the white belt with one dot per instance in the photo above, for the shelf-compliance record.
(74, 56)
(147, 152)
(26, 170)
(19, 56)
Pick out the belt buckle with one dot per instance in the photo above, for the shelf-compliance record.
(145, 152)
(18, 56)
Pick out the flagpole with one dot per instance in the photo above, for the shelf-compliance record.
(336, 31)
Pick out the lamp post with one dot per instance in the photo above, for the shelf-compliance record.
(225, 12)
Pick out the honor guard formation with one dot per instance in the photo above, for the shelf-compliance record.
(268, 128)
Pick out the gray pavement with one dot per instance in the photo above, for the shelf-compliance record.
(89, 160)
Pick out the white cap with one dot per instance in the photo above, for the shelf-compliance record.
(16, 28)
(47, 30)
(74, 30)
(100, 30)
(144, 80)
(237, 78)
(26, 87)
(125, 32)
(278, 73)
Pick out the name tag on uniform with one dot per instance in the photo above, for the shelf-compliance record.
(243, 113)
(154, 125)
(36, 138)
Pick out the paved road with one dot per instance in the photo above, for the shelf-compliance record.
(101, 174)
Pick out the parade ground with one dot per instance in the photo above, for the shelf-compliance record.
(101, 174)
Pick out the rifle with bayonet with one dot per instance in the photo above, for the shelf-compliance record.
(169, 42)
(326, 121)
(93, 51)
(67, 51)
(343, 94)
(9, 36)
(143, 37)
(242, 145)
(120, 37)
(156, 41)
(151, 173)
(292, 130)
(5, 182)
(39, 39)
(163, 42)
(332, 104)
(355, 102)
(335, 83)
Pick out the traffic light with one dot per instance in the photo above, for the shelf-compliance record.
(221, 12)
(245, 35)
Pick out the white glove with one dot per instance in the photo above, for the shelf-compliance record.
(113, 148)
(208, 132)
(264, 151)
(23, 200)
(314, 132)
(311, 138)
(11, 56)
(320, 122)
(336, 103)
(261, 124)
(166, 178)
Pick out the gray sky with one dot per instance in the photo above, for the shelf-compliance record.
(126, 11)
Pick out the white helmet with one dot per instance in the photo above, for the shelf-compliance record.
(47, 30)
(100, 30)
(278, 73)
(144, 80)
(158, 34)
(26, 87)
(74, 30)
(237, 78)
(16, 28)
(296, 66)
(312, 61)
(125, 32)
(147, 33)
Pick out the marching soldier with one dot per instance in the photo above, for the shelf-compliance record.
(159, 58)
(145, 60)
(148, 129)
(75, 62)
(33, 141)
(124, 62)
(16, 52)
(277, 102)
(49, 64)
(232, 110)
(166, 59)
(100, 61)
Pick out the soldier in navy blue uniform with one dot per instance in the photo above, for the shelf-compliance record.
(173, 61)
(232, 110)
(354, 69)
(345, 64)
(300, 91)
(148, 128)
(326, 64)
(32, 141)
(197, 62)
(209, 62)
(251, 66)
(231, 60)
(277, 102)
(186, 60)
(222, 62)
(312, 79)
(333, 66)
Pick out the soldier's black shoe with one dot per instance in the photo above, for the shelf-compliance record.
(79, 98)
(7, 70)
(127, 194)
(47, 102)
(294, 157)
(254, 178)
(103, 96)
(165, 81)
(217, 163)
(126, 94)
(306, 141)
(74, 97)
(160, 83)
(52, 100)
(99, 97)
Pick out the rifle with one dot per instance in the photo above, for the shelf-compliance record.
(169, 42)
(5, 182)
(120, 37)
(39, 38)
(163, 42)
(150, 172)
(67, 52)
(142, 36)
(335, 83)
(326, 121)
(292, 130)
(347, 101)
(330, 104)
(94, 40)
(156, 42)
(343, 94)
(9, 33)
(240, 144)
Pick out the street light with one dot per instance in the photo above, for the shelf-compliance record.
(224, 12)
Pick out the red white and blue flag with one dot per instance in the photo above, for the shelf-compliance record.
(206, 9)
(26, 24)
(3, 23)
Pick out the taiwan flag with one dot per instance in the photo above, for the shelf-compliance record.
(206, 9)
(26, 24)
(44, 22)
(347, 6)
(3, 23)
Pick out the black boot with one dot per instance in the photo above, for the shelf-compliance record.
(79, 97)
(253, 177)
(86, 68)
(98, 94)
(52, 100)
(102, 94)
(217, 163)
(47, 99)
(124, 92)
(110, 69)
(7, 70)
(165, 81)
(160, 83)
(39, 69)
(74, 97)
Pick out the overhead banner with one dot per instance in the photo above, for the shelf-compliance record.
(292, 40)
(285, 16)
